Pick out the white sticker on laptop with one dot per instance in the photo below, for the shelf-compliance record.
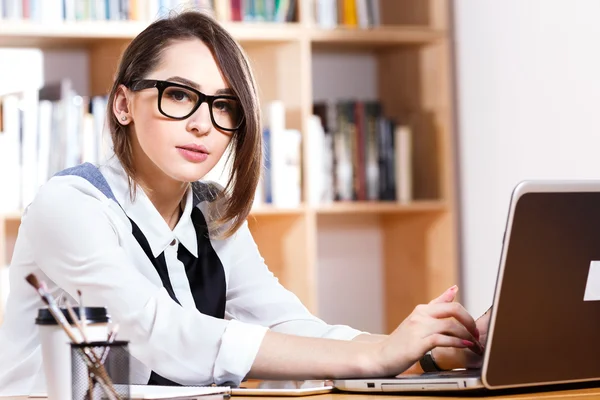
(592, 286)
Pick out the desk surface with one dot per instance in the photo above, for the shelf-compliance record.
(587, 394)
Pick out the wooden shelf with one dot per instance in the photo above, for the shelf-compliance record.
(267, 210)
(367, 207)
(73, 34)
(264, 210)
(383, 36)
(264, 32)
(12, 216)
(350, 207)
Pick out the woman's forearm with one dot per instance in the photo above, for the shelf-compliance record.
(283, 356)
(373, 338)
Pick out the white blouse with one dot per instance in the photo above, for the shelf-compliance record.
(74, 237)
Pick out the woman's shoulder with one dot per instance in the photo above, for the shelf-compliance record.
(80, 187)
(83, 180)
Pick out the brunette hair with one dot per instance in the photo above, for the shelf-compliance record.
(144, 53)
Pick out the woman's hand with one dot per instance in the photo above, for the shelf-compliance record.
(452, 358)
(439, 324)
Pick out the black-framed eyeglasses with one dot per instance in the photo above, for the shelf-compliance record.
(179, 101)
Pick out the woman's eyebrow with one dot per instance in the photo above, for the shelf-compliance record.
(226, 91)
(184, 81)
(179, 79)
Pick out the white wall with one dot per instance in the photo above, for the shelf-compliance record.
(529, 107)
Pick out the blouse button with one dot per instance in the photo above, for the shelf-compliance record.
(174, 242)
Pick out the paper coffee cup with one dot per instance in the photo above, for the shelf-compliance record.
(56, 346)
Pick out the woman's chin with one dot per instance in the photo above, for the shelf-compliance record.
(187, 174)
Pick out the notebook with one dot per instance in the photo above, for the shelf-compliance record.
(148, 392)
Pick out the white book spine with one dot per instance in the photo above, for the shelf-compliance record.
(70, 10)
(343, 169)
(29, 178)
(326, 13)
(12, 162)
(403, 163)
(286, 168)
(362, 13)
(275, 115)
(89, 142)
(14, 9)
(44, 140)
(316, 165)
(100, 10)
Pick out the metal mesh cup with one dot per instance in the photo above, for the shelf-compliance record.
(100, 370)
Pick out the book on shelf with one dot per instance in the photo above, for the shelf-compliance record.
(49, 11)
(43, 132)
(363, 155)
(65, 129)
(362, 14)
(280, 183)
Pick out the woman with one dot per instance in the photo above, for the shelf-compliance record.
(172, 258)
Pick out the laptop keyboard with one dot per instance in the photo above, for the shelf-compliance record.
(461, 373)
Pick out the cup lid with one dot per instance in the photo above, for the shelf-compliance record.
(93, 315)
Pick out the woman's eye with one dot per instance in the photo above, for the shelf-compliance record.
(178, 95)
(222, 106)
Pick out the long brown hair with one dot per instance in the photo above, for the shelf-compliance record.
(143, 54)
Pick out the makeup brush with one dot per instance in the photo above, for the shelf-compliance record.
(76, 320)
(111, 338)
(81, 311)
(52, 307)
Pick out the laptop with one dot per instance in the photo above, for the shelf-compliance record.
(545, 320)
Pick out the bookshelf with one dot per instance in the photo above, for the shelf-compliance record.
(412, 47)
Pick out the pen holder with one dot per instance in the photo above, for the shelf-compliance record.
(100, 370)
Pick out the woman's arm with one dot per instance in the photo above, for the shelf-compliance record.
(256, 296)
(282, 311)
(433, 325)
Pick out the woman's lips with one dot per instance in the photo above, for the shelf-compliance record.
(193, 152)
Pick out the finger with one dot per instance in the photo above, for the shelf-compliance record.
(447, 297)
(441, 340)
(451, 327)
(455, 310)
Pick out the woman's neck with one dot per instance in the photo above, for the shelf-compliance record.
(166, 194)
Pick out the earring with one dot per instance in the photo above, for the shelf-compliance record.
(124, 118)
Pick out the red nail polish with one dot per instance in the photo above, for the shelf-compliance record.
(468, 343)
(476, 333)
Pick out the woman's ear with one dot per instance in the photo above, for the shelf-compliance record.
(121, 105)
